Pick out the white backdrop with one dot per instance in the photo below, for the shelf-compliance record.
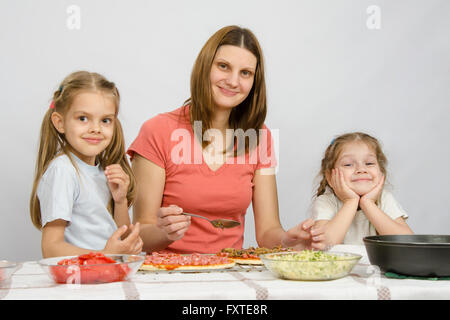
(381, 67)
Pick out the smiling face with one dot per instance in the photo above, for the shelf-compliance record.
(232, 75)
(360, 167)
(88, 125)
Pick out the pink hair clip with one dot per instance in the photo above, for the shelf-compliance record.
(52, 105)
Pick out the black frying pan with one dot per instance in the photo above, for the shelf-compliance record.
(413, 255)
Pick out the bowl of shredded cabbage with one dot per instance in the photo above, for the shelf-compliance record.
(310, 264)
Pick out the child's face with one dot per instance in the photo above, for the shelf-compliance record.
(88, 125)
(232, 75)
(360, 167)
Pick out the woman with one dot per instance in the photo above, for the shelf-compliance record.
(187, 160)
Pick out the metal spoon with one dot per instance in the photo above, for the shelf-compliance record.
(217, 223)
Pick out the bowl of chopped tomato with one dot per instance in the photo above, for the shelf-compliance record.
(92, 268)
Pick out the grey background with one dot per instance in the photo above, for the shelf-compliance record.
(327, 73)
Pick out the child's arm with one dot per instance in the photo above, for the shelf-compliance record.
(53, 244)
(327, 233)
(121, 216)
(118, 182)
(380, 220)
(332, 232)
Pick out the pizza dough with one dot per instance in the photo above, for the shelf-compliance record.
(194, 261)
(249, 256)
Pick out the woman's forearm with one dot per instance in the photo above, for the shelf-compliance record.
(154, 238)
(271, 238)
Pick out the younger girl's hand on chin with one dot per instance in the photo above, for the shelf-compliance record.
(340, 187)
(374, 194)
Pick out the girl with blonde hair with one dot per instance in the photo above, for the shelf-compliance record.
(228, 93)
(83, 184)
(351, 201)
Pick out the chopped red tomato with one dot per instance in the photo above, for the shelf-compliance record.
(89, 268)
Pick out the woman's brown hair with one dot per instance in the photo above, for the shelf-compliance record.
(334, 149)
(52, 143)
(251, 113)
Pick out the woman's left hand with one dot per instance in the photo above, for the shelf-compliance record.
(298, 237)
(118, 182)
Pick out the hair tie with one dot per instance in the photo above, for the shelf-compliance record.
(52, 105)
(332, 141)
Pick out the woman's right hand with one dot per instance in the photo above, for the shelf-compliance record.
(340, 188)
(172, 222)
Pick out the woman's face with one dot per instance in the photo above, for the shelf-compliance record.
(232, 75)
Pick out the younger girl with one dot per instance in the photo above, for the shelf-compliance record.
(83, 185)
(351, 201)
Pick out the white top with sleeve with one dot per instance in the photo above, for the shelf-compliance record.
(327, 205)
(80, 198)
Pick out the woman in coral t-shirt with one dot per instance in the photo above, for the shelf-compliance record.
(213, 157)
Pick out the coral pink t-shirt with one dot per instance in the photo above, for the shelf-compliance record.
(168, 141)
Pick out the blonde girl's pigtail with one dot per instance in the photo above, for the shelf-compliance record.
(120, 153)
(115, 153)
(327, 164)
(322, 187)
(50, 144)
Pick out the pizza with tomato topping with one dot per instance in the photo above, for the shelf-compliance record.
(249, 255)
(194, 261)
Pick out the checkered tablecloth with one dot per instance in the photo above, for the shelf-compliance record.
(364, 282)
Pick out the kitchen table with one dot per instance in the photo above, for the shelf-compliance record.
(365, 282)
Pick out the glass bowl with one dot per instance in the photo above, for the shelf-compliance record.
(310, 265)
(7, 268)
(124, 268)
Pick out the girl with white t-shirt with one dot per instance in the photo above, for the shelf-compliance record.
(351, 201)
(84, 185)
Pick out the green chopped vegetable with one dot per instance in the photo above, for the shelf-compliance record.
(310, 265)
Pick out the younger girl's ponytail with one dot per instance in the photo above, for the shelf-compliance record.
(50, 142)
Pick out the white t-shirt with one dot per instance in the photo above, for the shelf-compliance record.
(80, 199)
(327, 205)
